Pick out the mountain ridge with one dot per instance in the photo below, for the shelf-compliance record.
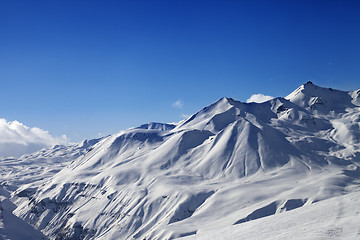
(233, 160)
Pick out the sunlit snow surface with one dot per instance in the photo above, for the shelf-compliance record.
(287, 168)
(334, 218)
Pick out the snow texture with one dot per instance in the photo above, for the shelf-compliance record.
(287, 168)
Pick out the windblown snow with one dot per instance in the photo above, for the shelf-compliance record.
(287, 168)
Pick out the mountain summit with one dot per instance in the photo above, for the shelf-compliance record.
(228, 164)
(323, 100)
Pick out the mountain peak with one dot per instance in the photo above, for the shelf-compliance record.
(320, 99)
(202, 117)
(309, 83)
(228, 100)
(162, 181)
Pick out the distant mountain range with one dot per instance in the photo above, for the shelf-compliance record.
(219, 173)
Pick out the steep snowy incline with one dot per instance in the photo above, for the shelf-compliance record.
(20, 179)
(340, 109)
(230, 163)
(11, 226)
(323, 100)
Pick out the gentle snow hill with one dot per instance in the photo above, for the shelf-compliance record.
(229, 165)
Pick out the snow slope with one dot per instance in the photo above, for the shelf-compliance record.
(28, 173)
(230, 165)
(334, 218)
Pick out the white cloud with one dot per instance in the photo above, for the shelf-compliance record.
(17, 139)
(178, 104)
(259, 98)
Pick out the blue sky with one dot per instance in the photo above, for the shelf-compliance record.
(84, 68)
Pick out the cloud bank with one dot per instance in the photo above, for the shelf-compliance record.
(17, 139)
(259, 98)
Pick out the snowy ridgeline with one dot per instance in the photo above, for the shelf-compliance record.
(290, 164)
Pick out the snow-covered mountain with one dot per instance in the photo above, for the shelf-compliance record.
(228, 166)
(28, 173)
